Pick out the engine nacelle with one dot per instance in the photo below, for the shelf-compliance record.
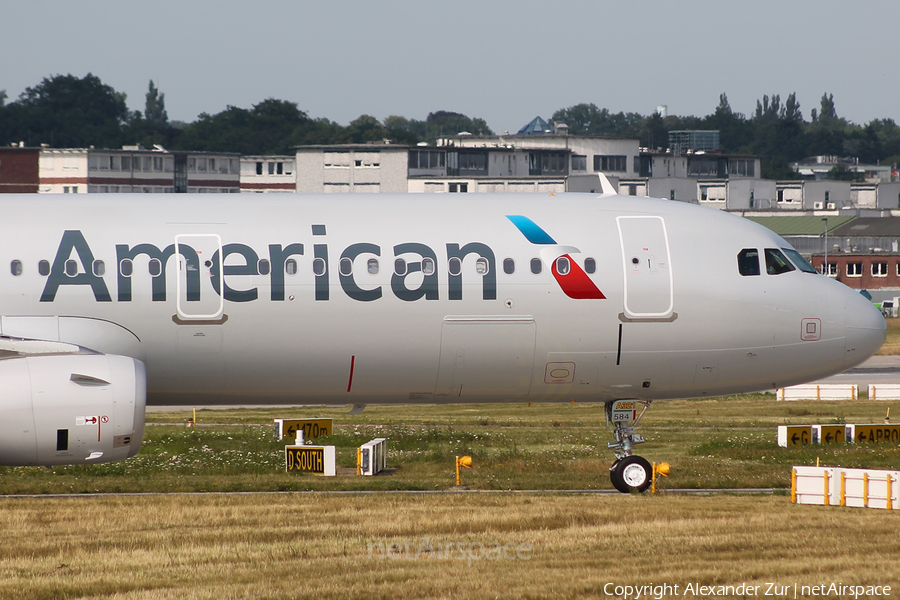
(71, 409)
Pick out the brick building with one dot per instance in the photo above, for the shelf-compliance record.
(862, 271)
(19, 171)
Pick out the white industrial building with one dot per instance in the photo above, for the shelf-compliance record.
(135, 170)
(268, 174)
(355, 168)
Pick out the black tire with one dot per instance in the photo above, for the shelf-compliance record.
(631, 474)
(615, 476)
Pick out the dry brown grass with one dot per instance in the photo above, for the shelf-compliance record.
(891, 345)
(318, 546)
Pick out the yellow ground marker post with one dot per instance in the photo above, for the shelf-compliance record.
(465, 462)
(658, 469)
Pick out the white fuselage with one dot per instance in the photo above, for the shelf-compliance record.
(345, 321)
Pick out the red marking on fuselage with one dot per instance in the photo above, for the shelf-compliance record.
(352, 364)
(576, 283)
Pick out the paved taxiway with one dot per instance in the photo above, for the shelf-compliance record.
(876, 370)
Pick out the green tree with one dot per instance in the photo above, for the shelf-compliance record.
(155, 106)
(654, 132)
(734, 132)
(366, 128)
(445, 122)
(401, 130)
(826, 112)
(67, 112)
(779, 135)
(841, 172)
(270, 127)
(587, 119)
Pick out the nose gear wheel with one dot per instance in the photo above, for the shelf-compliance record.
(630, 473)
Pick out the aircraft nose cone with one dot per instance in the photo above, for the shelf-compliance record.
(866, 330)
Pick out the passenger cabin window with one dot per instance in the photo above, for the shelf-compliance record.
(481, 266)
(562, 265)
(99, 268)
(748, 262)
(290, 266)
(428, 266)
(263, 266)
(319, 266)
(590, 265)
(44, 268)
(71, 268)
(400, 267)
(455, 266)
(126, 267)
(776, 262)
(372, 266)
(509, 266)
(346, 266)
(535, 265)
(15, 267)
(155, 267)
(799, 261)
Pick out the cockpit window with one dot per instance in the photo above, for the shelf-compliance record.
(748, 262)
(776, 262)
(799, 261)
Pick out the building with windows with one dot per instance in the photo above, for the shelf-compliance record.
(537, 159)
(356, 168)
(268, 174)
(819, 167)
(863, 271)
(135, 170)
(693, 140)
(863, 252)
(722, 181)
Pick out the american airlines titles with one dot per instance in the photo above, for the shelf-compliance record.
(421, 286)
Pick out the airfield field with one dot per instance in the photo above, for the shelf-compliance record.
(724, 442)
(297, 546)
(891, 345)
(165, 524)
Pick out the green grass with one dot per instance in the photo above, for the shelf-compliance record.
(714, 442)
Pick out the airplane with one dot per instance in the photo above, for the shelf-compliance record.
(111, 302)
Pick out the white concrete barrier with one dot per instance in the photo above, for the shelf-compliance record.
(824, 391)
(836, 486)
(884, 391)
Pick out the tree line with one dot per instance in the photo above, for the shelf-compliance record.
(67, 112)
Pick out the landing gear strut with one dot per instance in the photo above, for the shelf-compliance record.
(629, 473)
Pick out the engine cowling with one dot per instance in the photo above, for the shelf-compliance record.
(71, 409)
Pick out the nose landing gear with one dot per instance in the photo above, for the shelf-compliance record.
(629, 473)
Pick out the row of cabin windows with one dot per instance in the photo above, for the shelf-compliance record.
(427, 266)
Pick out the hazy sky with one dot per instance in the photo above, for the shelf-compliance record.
(503, 61)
